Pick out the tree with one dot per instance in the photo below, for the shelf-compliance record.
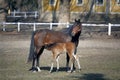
(107, 10)
(90, 11)
(64, 12)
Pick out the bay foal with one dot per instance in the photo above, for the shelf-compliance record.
(59, 48)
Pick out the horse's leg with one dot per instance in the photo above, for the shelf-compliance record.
(75, 51)
(57, 60)
(37, 63)
(67, 63)
(53, 60)
(71, 64)
(51, 67)
(34, 62)
(68, 59)
(40, 51)
(71, 69)
(77, 60)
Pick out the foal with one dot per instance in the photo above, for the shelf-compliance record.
(59, 48)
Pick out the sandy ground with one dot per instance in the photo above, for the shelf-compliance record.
(21, 40)
(94, 53)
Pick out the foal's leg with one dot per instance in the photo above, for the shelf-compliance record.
(75, 51)
(53, 60)
(68, 59)
(52, 65)
(71, 64)
(77, 60)
(57, 60)
(67, 63)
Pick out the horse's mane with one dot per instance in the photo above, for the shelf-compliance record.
(67, 30)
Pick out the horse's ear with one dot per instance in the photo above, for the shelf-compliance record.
(75, 20)
(79, 20)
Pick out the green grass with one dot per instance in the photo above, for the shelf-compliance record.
(97, 64)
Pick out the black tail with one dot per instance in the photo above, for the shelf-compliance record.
(31, 51)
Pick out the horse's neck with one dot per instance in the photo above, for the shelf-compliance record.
(67, 31)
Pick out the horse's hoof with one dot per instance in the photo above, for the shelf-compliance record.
(30, 69)
(33, 69)
(73, 71)
(69, 71)
(80, 69)
(50, 71)
(57, 70)
(38, 69)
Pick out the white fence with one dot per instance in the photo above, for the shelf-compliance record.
(23, 14)
(109, 25)
(34, 25)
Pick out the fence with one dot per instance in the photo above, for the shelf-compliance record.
(34, 25)
(17, 14)
(109, 25)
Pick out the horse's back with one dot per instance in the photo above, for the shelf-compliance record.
(52, 36)
(45, 36)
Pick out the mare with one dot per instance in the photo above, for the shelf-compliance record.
(43, 37)
(59, 48)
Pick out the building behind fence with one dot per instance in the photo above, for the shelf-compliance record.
(87, 10)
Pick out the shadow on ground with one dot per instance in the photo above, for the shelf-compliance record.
(54, 69)
(90, 76)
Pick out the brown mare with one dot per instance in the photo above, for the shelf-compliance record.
(59, 48)
(44, 37)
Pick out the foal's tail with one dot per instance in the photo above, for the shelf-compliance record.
(31, 51)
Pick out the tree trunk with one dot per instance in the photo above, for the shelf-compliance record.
(40, 10)
(90, 11)
(64, 12)
(54, 14)
(107, 11)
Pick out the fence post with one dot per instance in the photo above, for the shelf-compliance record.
(67, 24)
(50, 26)
(18, 26)
(14, 13)
(25, 16)
(34, 28)
(35, 14)
(109, 29)
(4, 26)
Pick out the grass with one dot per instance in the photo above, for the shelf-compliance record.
(97, 64)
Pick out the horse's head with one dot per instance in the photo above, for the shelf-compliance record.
(77, 27)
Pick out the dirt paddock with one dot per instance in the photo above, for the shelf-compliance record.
(99, 59)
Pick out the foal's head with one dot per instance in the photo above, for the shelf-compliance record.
(77, 27)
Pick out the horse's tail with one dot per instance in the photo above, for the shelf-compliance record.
(31, 51)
